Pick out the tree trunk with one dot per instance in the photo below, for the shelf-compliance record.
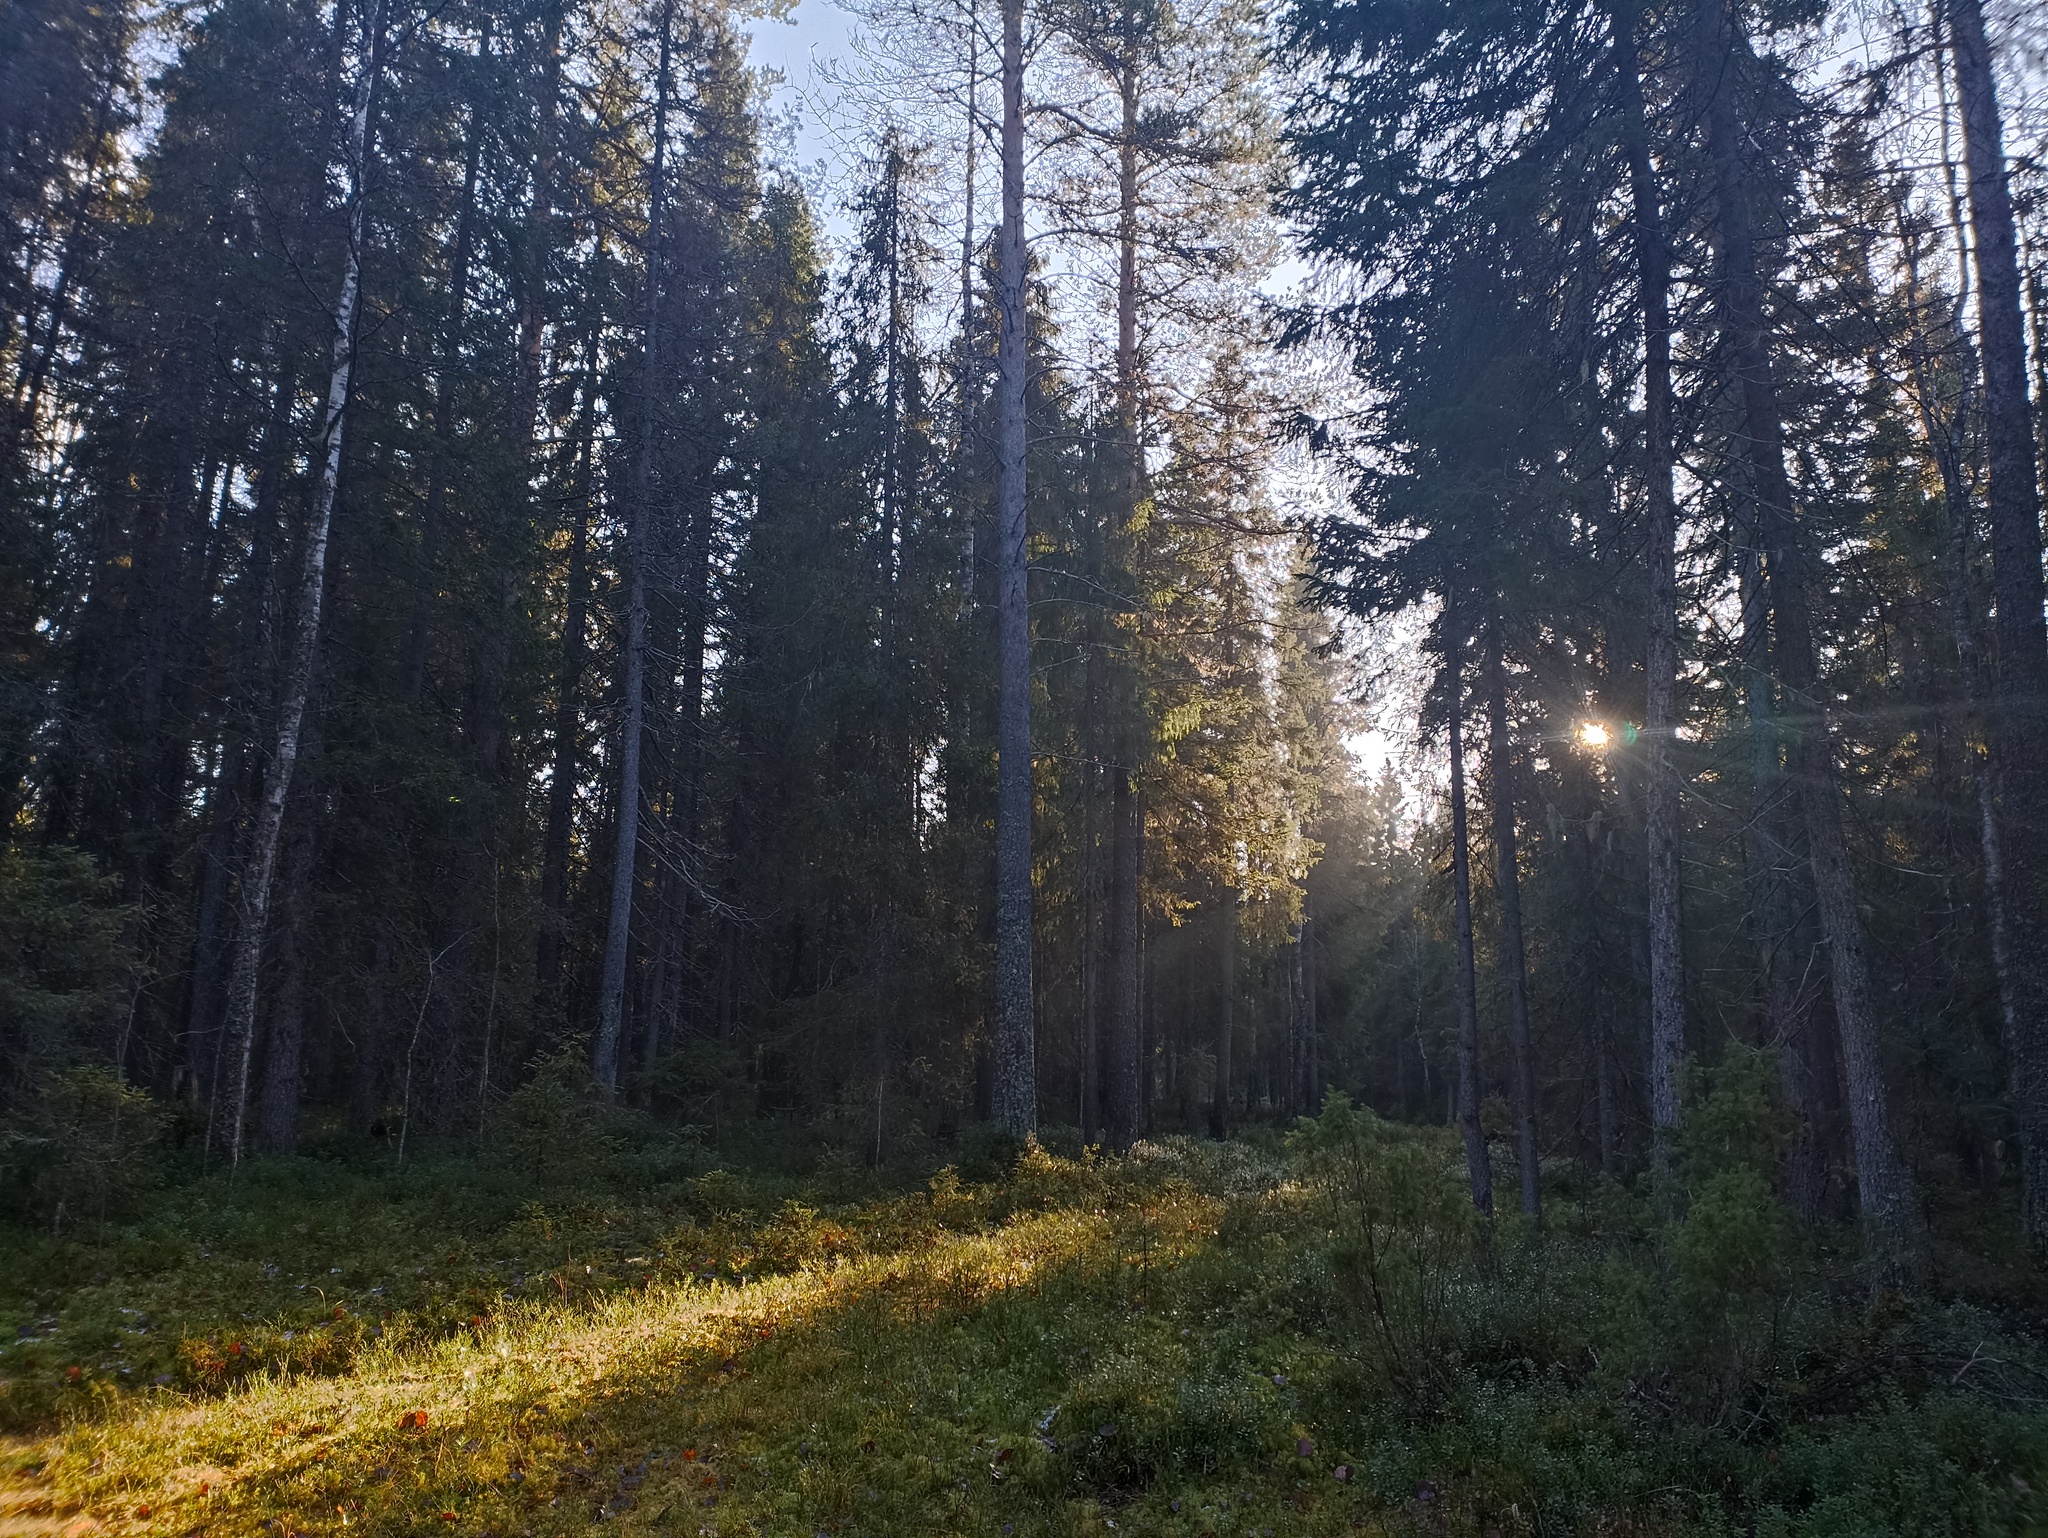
(554, 871)
(277, 1121)
(261, 865)
(626, 848)
(1660, 717)
(1127, 852)
(2014, 507)
(1788, 1028)
(1127, 821)
(1226, 1013)
(1507, 880)
(1478, 1165)
(1942, 432)
(963, 425)
(1884, 1189)
(1311, 1017)
(533, 263)
(1015, 1088)
(434, 516)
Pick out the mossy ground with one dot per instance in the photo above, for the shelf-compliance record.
(1151, 1346)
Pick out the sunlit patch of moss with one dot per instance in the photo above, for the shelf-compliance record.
(872, 1378)
(1171, 1344)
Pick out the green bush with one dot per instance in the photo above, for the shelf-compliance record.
(88, 1146)
(1402, 1230)
(63, 960)
(556, 1127)
(1133, 1422)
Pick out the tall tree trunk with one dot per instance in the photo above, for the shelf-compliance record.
(626, 849)
(970, 156)
(434, 516)
(1805, 1053)
(1942, 432)
(1660, 533)
(2014, 508)
(1226, 1012)
(1311, 1015)
(534, 257)
(1015, 1088)
(261, 865)
(1884, 1189)
(1095, 989)
(232, 788)
(1126, 964)
(554, 870)
(1507, 880)
(277, 1119)
(1478, 1164)
(1126, 822)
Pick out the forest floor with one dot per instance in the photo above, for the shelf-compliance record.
(1144, 1346)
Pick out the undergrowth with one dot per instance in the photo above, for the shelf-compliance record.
(1199, 1339)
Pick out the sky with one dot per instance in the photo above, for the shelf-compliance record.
(816, 32)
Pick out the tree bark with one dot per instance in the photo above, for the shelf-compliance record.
(434, 516)
(1015, 1088)
(1766, 845)
(1127, 822)
(2013, 506)
(1127, 849)
(1226, 1013)
(625, 852)
(261, 865)
(277, 1121)
(554, 871)
(1884, 1188)
(1660, 717)
(1507, 880)
(1942, 432)
(1478, 1165)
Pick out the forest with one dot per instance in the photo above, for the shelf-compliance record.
(1274, 771)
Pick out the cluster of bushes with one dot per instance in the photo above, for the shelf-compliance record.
(1695, 1363)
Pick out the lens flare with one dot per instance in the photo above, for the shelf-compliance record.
(1594, 734)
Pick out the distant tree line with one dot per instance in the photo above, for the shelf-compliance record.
(478, 577)
(1700, 348)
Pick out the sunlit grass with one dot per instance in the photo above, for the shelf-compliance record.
(908, 1390)
(1189, 1343)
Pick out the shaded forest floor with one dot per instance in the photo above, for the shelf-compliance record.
(1186, 1342)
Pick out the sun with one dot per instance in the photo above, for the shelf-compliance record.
(1593, 734)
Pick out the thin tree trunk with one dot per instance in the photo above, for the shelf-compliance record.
(434, 516)
(970, 157)
(1788, 1027)
(277, 1124)
(2014, 508)
(1226, 1013)
(1660, 718)
(1126, 821)
(1942, 432)
(1126, 963)
(1507, 880)
(625, 853)
(1015, 1088)
(1311, 1016)
(554, 872)
(232, 787)
(1884, 1188)
(533, 266)
(1095, 993)
(1478, 1164)
(261, 865)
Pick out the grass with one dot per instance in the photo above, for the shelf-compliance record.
(1163, 1345)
